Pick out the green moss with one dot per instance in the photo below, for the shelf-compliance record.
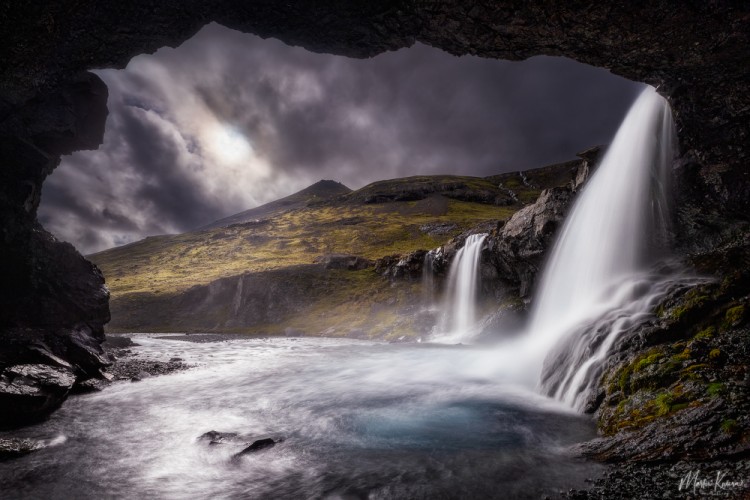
(663, 403)
(652, 357)
(706, 333)
(715, 389)
(624, 377)
(729, 426)
(734, 315)
(693, 299)
(715, 354)
(685, 355)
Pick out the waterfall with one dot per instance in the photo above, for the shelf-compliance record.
(428, 279)
(594, 286)
(459, 321)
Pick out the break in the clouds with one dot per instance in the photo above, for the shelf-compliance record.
(228, 121)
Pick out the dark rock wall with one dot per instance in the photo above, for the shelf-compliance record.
(696, 53)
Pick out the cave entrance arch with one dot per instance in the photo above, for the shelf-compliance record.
(53, 299)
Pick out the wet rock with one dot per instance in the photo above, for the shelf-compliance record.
(28, 393)
(670, 480)
(140, 376)
(216, 437)
(517, 250)
(258, 445)
(398, 267)
(15, 448)
(90, 385)
(118, 342)
(128, 369)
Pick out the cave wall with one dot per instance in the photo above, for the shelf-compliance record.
(696, 54)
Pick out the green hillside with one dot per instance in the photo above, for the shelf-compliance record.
(155, 282)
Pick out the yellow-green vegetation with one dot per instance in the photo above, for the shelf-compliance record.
(359, 306)
(679, 374)
(166, 283)
(694, 299)
(715, 388)
(169, 264)
(636, 412)
(734, 315)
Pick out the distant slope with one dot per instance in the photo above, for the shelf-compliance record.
(320, 191)
(257, 271)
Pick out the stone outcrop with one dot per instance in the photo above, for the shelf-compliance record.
(399, 267)
(517, 249)
(54, 302)
(344, 261)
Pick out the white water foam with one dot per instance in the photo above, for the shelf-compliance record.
(618, 225)
(459, 324)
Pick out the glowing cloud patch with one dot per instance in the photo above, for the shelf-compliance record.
(229, 145)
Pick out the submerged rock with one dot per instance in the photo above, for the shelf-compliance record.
(216, 437)
(260, 444)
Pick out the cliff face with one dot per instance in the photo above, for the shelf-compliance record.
(53, 299)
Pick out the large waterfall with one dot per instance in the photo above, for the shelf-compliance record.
(594, 284)
(459, 323)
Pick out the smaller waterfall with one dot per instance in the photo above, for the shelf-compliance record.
(428, 279)
(459, 320)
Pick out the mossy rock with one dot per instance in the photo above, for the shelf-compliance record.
(734, 316)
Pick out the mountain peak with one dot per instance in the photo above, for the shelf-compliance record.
(325, 187)
(321, 190)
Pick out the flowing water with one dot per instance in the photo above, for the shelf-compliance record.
(459, 324)
(428, 279)
(373, 420)
(359, 420)
(595, 276)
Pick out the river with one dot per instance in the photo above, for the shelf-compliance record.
(358, 419)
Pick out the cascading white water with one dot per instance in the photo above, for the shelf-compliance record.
(459, 322)
(428, 279)
(609, 238)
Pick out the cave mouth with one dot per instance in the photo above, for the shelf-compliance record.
(227, 121)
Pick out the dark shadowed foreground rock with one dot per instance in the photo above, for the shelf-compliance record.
(678, 387)
(54, 302)
(30, 392)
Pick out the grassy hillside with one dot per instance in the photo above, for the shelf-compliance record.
(150, 279)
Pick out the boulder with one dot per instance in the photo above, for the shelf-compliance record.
(258, 445)
(517, 249)
(29, 392)
(216, 437)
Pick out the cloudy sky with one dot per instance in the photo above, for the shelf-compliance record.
(228, 121)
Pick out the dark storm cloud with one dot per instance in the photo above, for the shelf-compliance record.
(228, 121)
